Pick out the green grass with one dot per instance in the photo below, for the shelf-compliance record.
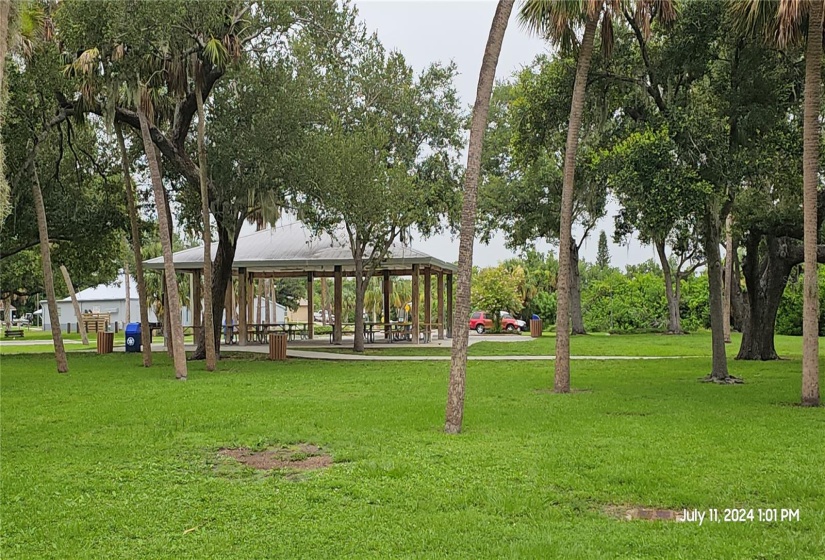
(116, 461)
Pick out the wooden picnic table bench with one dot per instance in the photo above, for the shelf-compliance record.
(14, 333)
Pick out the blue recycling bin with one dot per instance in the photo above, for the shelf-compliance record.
(133, 337)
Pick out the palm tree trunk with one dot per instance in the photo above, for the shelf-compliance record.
(176, 330)
(48, 277)
(458, 357)
(728, 277)
(69, 286)
(127, 285)
(208, 317)
(146, 344)
(810, 180)
(561, 382)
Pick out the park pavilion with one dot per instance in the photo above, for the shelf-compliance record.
(292, 251)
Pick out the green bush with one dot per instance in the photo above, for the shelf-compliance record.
(789, 315)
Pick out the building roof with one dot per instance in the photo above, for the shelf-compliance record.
(113, 291)
(293, 248)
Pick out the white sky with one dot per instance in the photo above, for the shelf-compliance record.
(430, 31)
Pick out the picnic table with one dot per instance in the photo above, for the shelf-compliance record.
(370, 328)
(261, 331)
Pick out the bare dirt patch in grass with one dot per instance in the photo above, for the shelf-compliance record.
(633, 513)
(300, 457)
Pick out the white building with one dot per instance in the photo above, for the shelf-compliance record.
(105, 298)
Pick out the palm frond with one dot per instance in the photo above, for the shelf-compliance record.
(216, 53)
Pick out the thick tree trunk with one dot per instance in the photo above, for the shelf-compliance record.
(221, 274)
(576, 316)
(208, 316)
(728, 276)
(134, 223)
(765, 279)
(810, 180)
(7, 312)
(719, 369)
(81, 327)
(674, 321)
(360, 289)
(458, 354)
(48, 277)
(179, 357)
(561, 383)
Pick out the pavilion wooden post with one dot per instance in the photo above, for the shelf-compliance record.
(387, 291)
(227, 307)
(310, 307)
(449, 305)
(197, 293)
(428, 304)
(337, 297)
(242, 307)
(250, 299)
(415, 298)
(440, 297)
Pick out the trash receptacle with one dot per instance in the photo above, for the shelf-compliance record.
(133, 337)
(536, 327)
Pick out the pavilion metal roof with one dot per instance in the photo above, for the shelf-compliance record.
(293, 248)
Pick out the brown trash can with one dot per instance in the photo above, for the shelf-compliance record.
(105, 342)
(277, 346)
(536, 328)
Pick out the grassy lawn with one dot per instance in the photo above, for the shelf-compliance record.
(115, 461)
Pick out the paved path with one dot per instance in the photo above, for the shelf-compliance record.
(37, 342)
(309, 355)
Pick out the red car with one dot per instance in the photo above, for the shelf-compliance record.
(481, 321)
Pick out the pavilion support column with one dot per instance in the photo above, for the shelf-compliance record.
(449, 305)
(310, 306)
(428, 304)
(250, 298)
(337, 305)
(415, 298)
(196, 287)
(242, 306)
(440, 297)
(387, 291)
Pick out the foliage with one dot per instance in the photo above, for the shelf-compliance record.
(524, 155)
(497, 289)
(789, 317)
(603, 255)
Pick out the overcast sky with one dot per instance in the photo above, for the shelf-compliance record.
(430, 31)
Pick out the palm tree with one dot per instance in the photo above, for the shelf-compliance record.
(787, 22)
(557, 21)
(208, 314)
(134, 222)
(35, 30)
(486, 78)
(176, 330)
(48, 277)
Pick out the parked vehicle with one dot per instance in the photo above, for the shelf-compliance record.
(523, 326)
(481, 321)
